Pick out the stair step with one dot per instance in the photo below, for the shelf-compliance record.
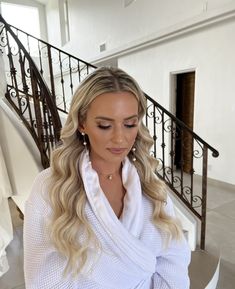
(20, 202)
(204, 269)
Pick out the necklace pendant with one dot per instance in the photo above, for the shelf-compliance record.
(110, 177)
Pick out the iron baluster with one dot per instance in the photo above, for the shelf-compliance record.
(204, 196)
(25, 91)
(79, 71)
(51, 74)
(146, 115)
(172, 151)
(154, 133)
(163, 146)
(13, 72)
(70, 76)
(45, 127)
(12, 69)
(62, 81)
(40, 58)
(181, 163)
(192, 172)
(37, 110)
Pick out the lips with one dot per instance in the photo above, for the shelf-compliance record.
(117, 151)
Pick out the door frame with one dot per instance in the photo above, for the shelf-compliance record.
(173, 94)
(173, 91)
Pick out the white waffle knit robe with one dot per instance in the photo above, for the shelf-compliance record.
(132, 257)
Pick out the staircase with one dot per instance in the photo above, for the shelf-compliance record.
(41, 80)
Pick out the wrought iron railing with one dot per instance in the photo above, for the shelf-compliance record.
(182, 154)
(183, 159)
(28, 94)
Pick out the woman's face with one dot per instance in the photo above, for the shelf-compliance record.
(111, 125)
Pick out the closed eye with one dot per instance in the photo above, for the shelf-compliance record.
(130, 125)
(104, 126)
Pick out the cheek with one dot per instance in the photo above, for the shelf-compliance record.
(133, 135)
(97, 137)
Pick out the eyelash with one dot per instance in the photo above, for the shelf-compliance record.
(109, 126)
(104, 127)
(130, 125)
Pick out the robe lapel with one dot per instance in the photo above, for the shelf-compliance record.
(121, 235)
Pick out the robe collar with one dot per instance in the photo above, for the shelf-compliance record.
(123, 233)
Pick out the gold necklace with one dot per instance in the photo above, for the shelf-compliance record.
(108, 176)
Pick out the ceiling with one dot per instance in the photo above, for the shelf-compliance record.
(126, 2)
(42, 1)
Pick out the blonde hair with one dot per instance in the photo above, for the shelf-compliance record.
(66, 192)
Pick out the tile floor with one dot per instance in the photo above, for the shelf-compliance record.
(220, 231)
(14, 278)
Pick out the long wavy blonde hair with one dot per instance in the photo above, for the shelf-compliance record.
(66, 192)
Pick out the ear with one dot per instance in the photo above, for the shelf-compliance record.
(81, 127)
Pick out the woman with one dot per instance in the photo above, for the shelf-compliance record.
(99, 218)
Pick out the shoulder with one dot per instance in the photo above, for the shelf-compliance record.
(39, 191)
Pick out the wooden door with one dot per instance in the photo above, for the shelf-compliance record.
(185, 112)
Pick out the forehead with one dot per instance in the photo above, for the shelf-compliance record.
(114, 104)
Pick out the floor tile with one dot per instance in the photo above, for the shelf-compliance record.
(217, 196)
(226, 276)
(227, 210)
(14, 276)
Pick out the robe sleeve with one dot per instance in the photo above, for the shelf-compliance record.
(172, 264)
(43, 266)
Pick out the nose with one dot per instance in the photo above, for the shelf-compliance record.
(118, 136)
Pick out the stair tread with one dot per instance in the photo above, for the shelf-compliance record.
(202, 268)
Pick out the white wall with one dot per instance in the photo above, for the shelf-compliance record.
(95, 22)
(21, 156)
(53, 20)
(211, 53)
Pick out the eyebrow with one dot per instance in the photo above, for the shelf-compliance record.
(111, 119)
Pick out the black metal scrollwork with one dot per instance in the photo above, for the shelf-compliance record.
(198, 152)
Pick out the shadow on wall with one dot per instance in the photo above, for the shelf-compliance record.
(21, 155)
